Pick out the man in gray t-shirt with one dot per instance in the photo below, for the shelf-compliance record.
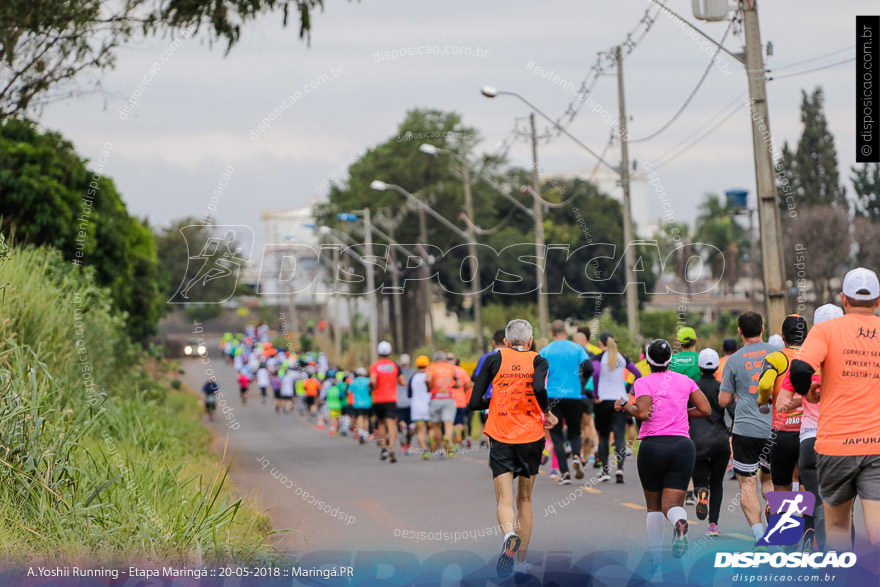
(751, 429)
(741, 374)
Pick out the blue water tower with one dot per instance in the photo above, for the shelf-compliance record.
(737, 198)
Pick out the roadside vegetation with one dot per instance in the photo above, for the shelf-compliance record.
(100, 459)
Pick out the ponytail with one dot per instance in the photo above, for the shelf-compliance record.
(611, 346)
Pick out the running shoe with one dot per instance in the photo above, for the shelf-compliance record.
(619, 475)
(504, 567)
(591, 460)
(629, 452)
(450, 452)
(565, 479)
(578, 469)
(603, 476)
(392, 457)
(713, 530)
(679, 538)
(690, 499)
(426, 455)
(545, 456)
(567, 448)
(383, 454)
(362, 440)
(702, 503)
(554, 475)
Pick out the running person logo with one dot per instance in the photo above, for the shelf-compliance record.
(787, 511)
(212, 273)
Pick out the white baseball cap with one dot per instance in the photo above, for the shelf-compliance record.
(708, 359)
(777, 341)
(384, 348)
(861, 284)
(826, 312)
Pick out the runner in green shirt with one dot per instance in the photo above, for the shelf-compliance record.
(686, 361)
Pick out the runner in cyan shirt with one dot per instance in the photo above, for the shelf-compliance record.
(666, 454)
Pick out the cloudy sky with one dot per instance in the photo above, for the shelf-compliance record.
(194, 117)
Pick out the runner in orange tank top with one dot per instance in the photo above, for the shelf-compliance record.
(518, 416)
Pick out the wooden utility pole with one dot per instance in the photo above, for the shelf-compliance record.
(540, 258)
(632, 288)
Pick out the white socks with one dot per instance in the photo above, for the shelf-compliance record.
(655, 524)
(675, 514)
(758, 531)
(795, 486)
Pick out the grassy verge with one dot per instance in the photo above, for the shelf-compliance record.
(100, 461)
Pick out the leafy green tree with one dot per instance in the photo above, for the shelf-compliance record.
(49, 197)
(866, 183)
(811, 169)
(47, 44)
(717, 226)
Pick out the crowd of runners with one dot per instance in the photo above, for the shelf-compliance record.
(789, 414)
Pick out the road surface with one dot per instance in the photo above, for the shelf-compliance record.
(335, 500)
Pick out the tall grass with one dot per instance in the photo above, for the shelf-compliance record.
(99, 459)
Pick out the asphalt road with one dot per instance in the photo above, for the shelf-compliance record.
(335, 500)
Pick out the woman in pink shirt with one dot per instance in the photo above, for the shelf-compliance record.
(666, 453)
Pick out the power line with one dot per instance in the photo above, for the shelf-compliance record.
(693, 92)
(684, 146)
(812, 59)
(830, 65)
(605, 62)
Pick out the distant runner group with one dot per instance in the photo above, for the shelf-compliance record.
(789, 412)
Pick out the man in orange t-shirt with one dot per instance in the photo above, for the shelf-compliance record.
(461, 394)
(847, 350)
(515, 428)
(442, 381)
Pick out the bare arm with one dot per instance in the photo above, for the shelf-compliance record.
(701, 408)
(724, 399)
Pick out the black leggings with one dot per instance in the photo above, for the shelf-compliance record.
(665, 462)
(809, 480)
(709, 472)
(569, 411)
(606, 420)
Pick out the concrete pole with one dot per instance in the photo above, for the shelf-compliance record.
(632, 291)
(768, 205)
(543, 311)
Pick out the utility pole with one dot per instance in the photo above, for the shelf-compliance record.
(768, 209)
(396, 293)
(337, 333)
(371, 287)
(425, 272)
(543, 313)
(476, 288)
(632, 288)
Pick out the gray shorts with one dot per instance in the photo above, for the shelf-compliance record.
(842, 478)
(442, 410)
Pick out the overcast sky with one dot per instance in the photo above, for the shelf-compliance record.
(193, 118)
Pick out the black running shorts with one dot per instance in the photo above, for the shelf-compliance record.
(520, 459)
(385, 410)
(749, 454)
(784, 454)
(666, 462)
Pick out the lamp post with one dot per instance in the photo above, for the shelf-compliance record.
(476, 288)
(632, 300)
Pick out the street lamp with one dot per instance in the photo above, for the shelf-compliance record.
(476, 288)
(632, 300)
(381, 186)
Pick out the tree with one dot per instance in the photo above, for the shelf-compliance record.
(47, 44)
(49, 197)
(811, 170)
(865, 233)
(866, 183)
(175, 245)
(817, 247)
(717, 226)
